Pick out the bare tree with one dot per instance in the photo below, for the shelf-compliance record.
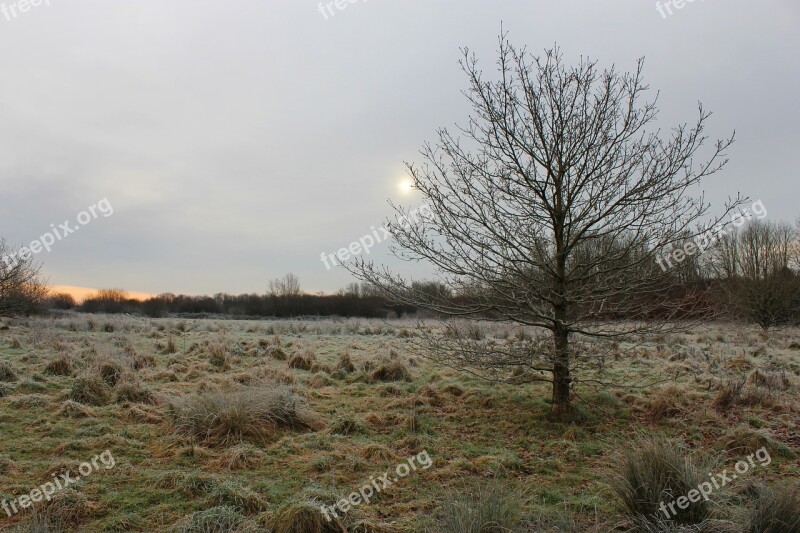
(285, 287)
(754, 265)
(21, 289)
(550, 210)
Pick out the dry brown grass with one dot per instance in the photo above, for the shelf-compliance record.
(60, 366)
(392, 370)
(240, 457)
(253, 413)
(305, 517)
(304, 360)
(90, 390)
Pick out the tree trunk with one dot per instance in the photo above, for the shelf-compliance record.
(561, 378)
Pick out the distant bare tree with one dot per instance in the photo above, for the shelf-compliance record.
(285, 287)
(754, 265)
(22, 290)
(551, 211)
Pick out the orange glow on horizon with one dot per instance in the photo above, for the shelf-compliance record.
(81, 293)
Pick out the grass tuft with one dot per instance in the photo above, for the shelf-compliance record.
(90, 390)
(490, 508)
(653, 470)
(254, 413)
(775, 510)
(305, 517)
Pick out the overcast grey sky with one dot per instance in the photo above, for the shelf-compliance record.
(238, 140)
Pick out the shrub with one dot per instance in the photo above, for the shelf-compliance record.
(775, 510)
(653, 470)
(491, 508)
(305, 517)
(90, 390)
(248, 414)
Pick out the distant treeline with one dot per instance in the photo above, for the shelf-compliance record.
(349, 303)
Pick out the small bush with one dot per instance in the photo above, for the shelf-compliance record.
(490, 508)
(775, 510)
(305, 517)
(90, 390)
(653, 470)
(248, 414)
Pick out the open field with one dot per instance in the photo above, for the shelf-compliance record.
(75, 386)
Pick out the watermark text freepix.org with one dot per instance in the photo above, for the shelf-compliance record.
(14, 9)
(666, 8)
(327, 8)
(56, 233)
(703, 241)
(375, 486)
(716, 482)
(365, 243)
(60, 482)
